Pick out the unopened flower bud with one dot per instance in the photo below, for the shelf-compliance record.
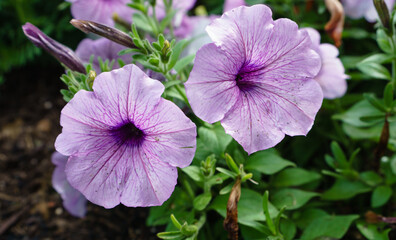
(91, 78)
(383, 12)
(110, 33)
(62, 53)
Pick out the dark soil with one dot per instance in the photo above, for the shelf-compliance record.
(30, 105)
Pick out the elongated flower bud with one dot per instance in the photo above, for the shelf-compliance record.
(383, 12)
(62, 53)
(112, 34)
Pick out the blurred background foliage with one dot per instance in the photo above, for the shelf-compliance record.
(51, 16)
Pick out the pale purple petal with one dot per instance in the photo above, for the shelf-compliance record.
(171, 134)
(103, 48)
(356, 8)
(85, 124)
(101, 11)
(332, 77)
(230, 4)
(243, 31)
(73, 201)
(127, 141)
(315, 37)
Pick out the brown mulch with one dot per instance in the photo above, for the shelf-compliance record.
(30, 105)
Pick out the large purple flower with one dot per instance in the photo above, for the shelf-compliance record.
(124, 140)
(256, 78)
(101, 11)
(103, 48)
(73, 201)
(359, 8)
(332, 77)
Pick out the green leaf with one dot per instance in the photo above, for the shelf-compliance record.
(291, 198)
(267, 162)
(167, 20)
(176, 51)
(393, 164)
(170, 235)
(383, 41)
(294, 177)
(249, 233)
(226, 189)
(371, 178)
(344, 189)
(371, 232)
(175, 222)
(194, 173)
(212, 140)
(182, 63)
(141, 22)
(356, 112)
(388, 95)
(374, 70)
(308, 216)
(176, 204)
(375, 102)
(339, 155)
(380, 196)
(227, 172)
(328, 226)
(379, 58)
(288, 229)
(201, 201)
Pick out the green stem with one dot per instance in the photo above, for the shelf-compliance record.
(180, 91)
(394, 72)
(153, 27)
(188, 189)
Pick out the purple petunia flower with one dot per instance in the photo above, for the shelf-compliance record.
(359, 8)
(101, 11)
(124, 140)
(256, 78)
(103, 48)
(73, 201)
(332, 76)
(62, 53)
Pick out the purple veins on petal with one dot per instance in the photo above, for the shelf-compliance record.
(256, 78)
(125, 142)
(73, 201)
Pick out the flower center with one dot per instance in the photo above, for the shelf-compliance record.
(242, 83)
(128, 133)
